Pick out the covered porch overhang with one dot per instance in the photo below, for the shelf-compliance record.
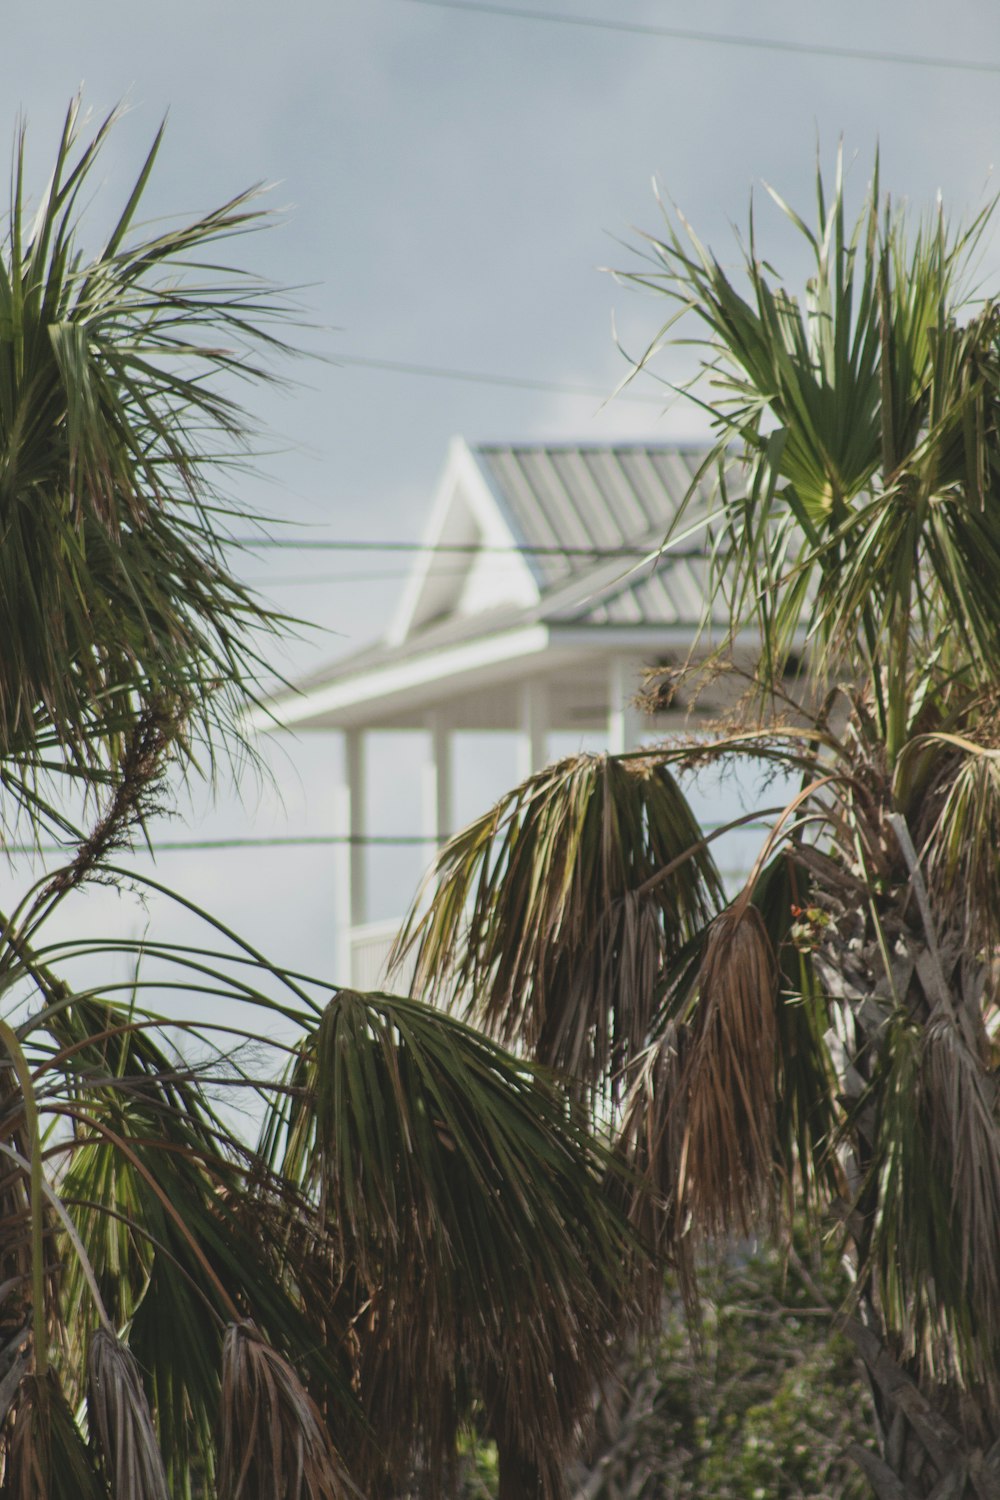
(532, 682)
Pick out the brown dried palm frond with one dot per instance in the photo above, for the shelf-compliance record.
(727, 1169)
(120, 1422)
(46, 1457)
(550, 919)
(275, 1445)
(651, 1141)
(740, 1045)
(806, 1112)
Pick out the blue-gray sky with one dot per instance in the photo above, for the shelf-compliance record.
(451, 184)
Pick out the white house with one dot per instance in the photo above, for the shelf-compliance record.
(556, 639)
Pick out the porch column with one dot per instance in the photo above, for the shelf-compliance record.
(350, 870)
(439, 799)
(533, 727)
(626, 722)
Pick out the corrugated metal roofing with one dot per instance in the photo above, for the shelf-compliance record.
(574, 496)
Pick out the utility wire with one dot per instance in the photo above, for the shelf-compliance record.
(296, 841)
(398, 575)
(480, 377)
(460, 549)
(293, 580)
(723, 38)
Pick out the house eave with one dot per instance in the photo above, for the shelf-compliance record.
(401, 693)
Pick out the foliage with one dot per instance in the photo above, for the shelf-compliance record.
(420, 1231)
(762, 1403)
(758, 1399)
(825, 1038)
(568, 967)
(117, 422)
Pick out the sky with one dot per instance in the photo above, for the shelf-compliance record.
(450, 184)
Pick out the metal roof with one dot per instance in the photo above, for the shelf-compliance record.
(578, 496)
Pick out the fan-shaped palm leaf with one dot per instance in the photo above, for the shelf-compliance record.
(274, 1441)
(119, 1417)
(468, 1214)
(183, 1231)
(116, 419)
(863, 410)
(551, 919)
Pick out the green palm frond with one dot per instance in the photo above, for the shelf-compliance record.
(932, 1199)
(552, 919)
(963, 845)
(117, 421)
(184, 1233)
(467, 1211)
(865, 411)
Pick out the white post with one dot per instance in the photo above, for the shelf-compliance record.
(626, 722)
(439, 809)
(532, 738)
(350, 891)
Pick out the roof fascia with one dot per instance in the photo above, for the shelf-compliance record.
(341, 704)
(495, 657)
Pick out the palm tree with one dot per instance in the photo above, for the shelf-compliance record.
(419, 1236)
(826, 1038)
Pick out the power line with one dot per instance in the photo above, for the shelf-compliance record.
(458, 549)
(295, 841)
(266, 841)
(399, 575)
(481, 377)
(396, 575)
(723, 39)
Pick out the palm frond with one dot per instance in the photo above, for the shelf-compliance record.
(931, 1200)
(965, 1143)
(467, 1210)
(726, 1174)
(651, 1140)
(116, 425)
(47, 1458)
(806, 1113)
(183, 1229)
(864, 410)
(120, 1421)
(274, 1440)
(964, 843)
(551, 920)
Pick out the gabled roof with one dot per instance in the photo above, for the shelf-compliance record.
(577, 528)
(562, 512)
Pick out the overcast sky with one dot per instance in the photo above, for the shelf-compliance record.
(451, 183)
